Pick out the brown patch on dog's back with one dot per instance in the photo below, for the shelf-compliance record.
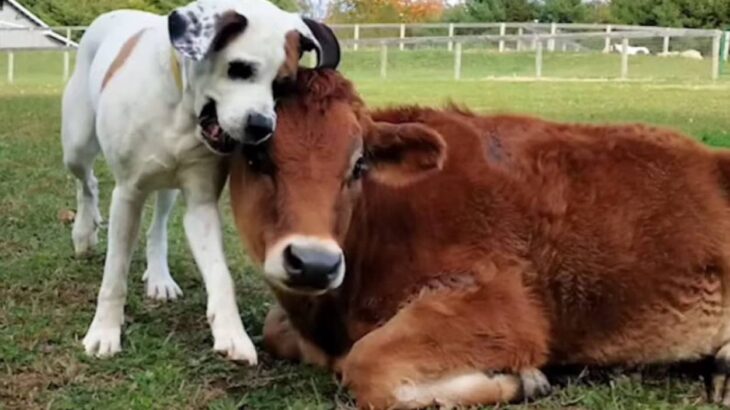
(121, 58)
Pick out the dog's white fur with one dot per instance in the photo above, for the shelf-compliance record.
(147, 129)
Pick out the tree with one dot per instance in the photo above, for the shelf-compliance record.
(563, 11)
(493, 11)
(478, 11)
(667, 14)
(676, 13)
(599, 12)
(421, 10)
(520, 10)
(633, 12)
(83, 12)
(385, 11)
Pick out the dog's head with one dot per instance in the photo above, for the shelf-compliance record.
(237, 54)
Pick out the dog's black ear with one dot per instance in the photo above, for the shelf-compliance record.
(323, 42)
(196, 30)
(229, 26)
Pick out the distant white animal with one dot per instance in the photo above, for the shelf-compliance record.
(691, 54)
(632, 51)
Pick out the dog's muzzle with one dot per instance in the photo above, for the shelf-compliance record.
(259, 128)
(214, 137)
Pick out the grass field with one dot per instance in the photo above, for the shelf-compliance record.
(47, 297)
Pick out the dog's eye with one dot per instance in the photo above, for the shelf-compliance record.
(360, 168)
(240, 70)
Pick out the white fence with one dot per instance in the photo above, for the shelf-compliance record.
(455, 37)
(538, 37)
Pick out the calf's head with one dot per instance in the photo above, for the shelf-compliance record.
(237, 53)
(294, 196)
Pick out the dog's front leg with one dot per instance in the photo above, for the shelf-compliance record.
(104, 335)
(203, 229)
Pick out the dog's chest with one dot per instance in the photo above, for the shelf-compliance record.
(154, 157)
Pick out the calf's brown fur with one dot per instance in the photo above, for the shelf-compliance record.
(480, 248)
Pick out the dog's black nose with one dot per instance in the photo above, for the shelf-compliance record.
(311, 268)
(177, 25)
(259, 128)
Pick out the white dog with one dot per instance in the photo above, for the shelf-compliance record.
(165, 99)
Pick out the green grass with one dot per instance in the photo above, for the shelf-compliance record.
(47, 297)
(428, 65)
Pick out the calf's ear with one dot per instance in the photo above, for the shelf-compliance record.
(400, 154)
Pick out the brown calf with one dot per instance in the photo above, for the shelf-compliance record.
(436, 256)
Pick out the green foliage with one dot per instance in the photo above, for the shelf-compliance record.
(364, 11)
(599, 12)
(563, 11)
(520, 10)
(83, 12)
(493, 11)
(676, 13)
(385, 11)
(479, 10)
(673, 13)
(670, 13)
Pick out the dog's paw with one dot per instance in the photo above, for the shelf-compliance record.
(103, 341)
(84, 243)
(85, 233)
(233, 342)
(161, 286)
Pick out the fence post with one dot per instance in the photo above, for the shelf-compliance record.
(402, 36)
(11, 67)
(451, 36)
(520, 33)
(457, 62)
(502, 32)
(716, 55)
(665, 50)
(383, 60)
(67, 56)
(356, 37)
(538, 59)
(607, 43)
(551, 41)
(624, 58)
(726, 49)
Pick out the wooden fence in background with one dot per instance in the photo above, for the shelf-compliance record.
(536, 37)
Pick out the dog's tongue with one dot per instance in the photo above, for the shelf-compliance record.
(215, 132)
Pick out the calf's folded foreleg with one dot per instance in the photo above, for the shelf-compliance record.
(454, 348)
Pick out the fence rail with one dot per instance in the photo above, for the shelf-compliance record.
(538, 37)
(560, 26)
